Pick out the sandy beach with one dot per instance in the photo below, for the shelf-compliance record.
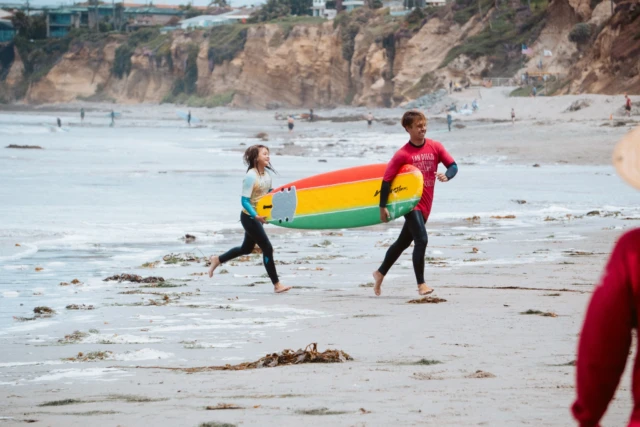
(98, 201)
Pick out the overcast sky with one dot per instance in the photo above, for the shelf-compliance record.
(235, 3)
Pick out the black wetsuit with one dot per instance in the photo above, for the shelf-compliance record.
(413, 231)
(253, 233)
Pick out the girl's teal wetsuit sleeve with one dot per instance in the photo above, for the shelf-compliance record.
(247, 189)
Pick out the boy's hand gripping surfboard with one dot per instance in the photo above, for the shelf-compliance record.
(344, 198)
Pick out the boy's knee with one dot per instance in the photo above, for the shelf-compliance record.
(421, 241)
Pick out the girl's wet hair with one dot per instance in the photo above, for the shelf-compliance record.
(251, 155)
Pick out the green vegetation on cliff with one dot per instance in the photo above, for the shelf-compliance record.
(501, 39)
(226, 41)
(158, 45)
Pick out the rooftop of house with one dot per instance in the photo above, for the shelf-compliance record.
(5, 14)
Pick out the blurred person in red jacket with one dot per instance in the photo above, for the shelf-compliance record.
(613, 312)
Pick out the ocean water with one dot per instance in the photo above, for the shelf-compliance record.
(99, 201)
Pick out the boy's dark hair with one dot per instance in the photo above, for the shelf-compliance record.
(411, 116)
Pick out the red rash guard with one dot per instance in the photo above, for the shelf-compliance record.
(426, 159)
(606, 335)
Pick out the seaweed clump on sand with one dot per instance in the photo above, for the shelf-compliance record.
(540, 313)
(80, 307)
(183, 259)
(427, 300)
(25, 147)
(40, 312)
(134, 278)
(90, 357)
(310, 354)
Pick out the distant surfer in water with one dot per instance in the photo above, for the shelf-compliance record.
(113, 118)
(59, 122)
(424, 154)
(513, 116)
(189, 118)
(290, 123)
(627, 105)
(82, 115)
(369, 119)
(257, 183)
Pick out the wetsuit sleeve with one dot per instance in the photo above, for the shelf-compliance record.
(385, 189)
(247, 189)
(246, 204)
(394, 165)
(606, 334)
(452, 170)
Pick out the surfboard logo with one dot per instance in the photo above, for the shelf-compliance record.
(284, 203)
(394, 190)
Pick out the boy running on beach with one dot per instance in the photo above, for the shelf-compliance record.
(425, 154)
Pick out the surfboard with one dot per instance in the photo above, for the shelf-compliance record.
(116, 115)
(184, 116)
(344, 198)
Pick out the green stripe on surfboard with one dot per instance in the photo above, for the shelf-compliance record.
(358, 217)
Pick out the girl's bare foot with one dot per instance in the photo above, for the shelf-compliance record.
(215, 262)
(278, 288)
(377, 282)
(423, 289)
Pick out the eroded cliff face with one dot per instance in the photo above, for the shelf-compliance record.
(425, 51)
(306, 67)
(78, 74)
(612, 65)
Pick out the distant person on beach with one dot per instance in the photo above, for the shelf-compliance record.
(113, 118)
(513, 116)
(82, 115)
(612, 315)
(450, 86)
(256, 183)
(311, 114)
(534, 91)
(189, 118)
(425, 154)
(369, 119)
(449, 120)
(59, 122)
(627, 105)
(290, 123)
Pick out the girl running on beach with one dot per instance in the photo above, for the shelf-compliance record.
(425, 154)
(257, 183)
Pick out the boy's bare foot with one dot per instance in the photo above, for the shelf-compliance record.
(279, 288)
(215, 262)
(423, 289)
(377, 282)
